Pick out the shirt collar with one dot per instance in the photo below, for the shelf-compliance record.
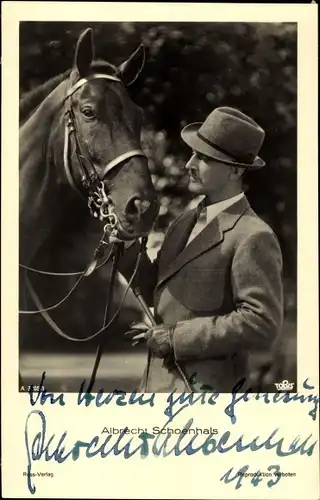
(214, 209)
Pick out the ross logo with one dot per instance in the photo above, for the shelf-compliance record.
(284, 386)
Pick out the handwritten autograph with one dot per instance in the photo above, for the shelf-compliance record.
(42, 445)
(51, 447)
(181, 401)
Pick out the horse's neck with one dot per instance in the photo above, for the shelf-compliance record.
(40, 194)
(70, 246)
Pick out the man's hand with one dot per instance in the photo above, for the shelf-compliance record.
(158, 338)
(139, 333)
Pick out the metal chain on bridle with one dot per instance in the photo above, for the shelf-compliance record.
(101, 207)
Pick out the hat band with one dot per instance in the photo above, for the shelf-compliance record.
(248, 158)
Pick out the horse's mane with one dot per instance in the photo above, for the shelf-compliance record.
(31, 100)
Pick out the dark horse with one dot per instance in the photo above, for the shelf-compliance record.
(57, 232)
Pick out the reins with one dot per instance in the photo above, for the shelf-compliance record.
(44, 311)
(106, 324)
(81, 274)
(100, 207)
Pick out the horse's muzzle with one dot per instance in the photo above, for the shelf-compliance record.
(138, 218)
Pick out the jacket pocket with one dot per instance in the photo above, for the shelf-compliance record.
(204, 289)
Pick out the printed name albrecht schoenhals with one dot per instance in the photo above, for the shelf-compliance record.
(158, 430)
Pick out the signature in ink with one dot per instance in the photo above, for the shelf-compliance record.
(42, 445)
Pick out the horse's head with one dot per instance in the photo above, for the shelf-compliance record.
(104, 137)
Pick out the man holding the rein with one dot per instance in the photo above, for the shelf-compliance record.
(216, 284)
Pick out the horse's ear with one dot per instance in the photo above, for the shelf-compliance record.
(131, 68)
(84, 52)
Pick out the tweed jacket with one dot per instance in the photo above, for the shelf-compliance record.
(223, 292)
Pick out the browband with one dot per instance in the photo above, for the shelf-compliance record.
(82, 81)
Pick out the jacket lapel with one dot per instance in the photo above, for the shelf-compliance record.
(177, 237)
(211, 236)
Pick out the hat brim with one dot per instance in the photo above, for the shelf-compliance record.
(190, 137)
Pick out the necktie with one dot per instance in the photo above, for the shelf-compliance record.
(199, 226)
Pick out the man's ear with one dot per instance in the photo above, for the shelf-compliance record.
(243, 171)
(130, 69)
(84, 54)
(237, 172)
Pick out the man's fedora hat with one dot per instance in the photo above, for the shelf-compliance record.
(229, 136)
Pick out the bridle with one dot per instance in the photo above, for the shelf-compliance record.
(92, 185)
(93, 189)
(100, 206)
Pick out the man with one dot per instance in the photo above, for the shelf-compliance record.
(217, 292)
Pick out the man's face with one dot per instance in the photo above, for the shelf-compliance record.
(207, 176)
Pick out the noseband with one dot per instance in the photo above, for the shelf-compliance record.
(99, 203)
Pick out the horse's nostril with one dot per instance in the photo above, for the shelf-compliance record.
(137, 204)
(133, 208)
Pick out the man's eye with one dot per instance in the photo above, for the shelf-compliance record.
(88, 113)
(202, 157)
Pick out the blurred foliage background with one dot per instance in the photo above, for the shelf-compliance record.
(190, 69)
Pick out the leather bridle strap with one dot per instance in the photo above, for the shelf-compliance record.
(120, 159)
(88, 172)
(95, 76)
(66, 165)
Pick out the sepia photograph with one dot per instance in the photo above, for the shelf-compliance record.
(160, 305)
(158, 206)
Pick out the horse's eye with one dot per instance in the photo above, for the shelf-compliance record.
(88, 113)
